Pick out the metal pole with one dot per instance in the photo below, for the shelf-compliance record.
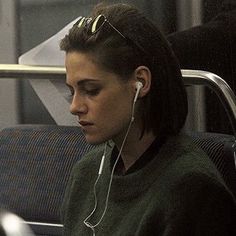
(8, 48)
(189, 14)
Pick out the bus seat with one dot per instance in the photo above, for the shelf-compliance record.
(35, 164)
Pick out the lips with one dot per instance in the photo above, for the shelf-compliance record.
(85, 123)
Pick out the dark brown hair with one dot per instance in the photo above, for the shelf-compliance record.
(165, 106)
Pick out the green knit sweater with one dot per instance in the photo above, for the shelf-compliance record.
(178, 193)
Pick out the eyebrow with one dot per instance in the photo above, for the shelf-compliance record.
(83, 82)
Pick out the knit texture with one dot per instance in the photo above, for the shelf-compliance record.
(177, 193)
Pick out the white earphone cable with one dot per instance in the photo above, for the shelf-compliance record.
(86, 221)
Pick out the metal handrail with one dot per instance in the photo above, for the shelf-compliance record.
(190, 77)
(219, 86)
(19, 71)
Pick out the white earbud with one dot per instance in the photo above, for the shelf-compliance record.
(139, 85)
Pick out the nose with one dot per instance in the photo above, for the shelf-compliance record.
(78, 105)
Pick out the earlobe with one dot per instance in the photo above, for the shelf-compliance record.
(143, 75)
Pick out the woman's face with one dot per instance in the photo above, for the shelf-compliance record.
(101, 100)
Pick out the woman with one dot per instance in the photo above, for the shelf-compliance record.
(150, 180)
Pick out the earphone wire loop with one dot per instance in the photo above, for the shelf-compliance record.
(86, 222)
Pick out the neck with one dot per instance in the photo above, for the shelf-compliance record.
(134, 147)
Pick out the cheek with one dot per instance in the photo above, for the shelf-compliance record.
(108, 104)
(118, 102)
(116, 111)
(111, 117)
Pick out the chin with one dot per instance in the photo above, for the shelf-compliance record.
(95, 140)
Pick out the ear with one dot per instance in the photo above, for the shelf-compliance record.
(143, 75)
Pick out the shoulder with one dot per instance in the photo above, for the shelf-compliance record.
(192, 175)
(188, 159)
(182, 145)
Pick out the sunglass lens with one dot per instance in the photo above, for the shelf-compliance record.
(98, 23)
(80, 23)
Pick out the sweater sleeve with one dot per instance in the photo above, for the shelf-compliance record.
(202, 207)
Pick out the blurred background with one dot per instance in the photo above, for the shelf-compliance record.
(26, 23)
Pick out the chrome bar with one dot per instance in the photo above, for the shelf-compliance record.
(190, 77)
(19, 71)
(219, 86)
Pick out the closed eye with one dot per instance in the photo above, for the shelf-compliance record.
(92, 92)
(86, 88)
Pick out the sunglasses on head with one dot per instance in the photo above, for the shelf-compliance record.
(98, 23)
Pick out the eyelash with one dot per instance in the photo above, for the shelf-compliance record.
(71, 92)
(89, 92)
(92, 92)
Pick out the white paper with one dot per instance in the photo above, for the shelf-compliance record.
(47, 53)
